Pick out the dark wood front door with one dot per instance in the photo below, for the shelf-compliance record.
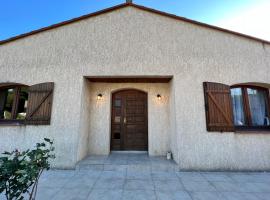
(129, 129)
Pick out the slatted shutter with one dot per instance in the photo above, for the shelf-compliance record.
(218, 107)
(39, 104)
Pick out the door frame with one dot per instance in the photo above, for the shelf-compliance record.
(111, 113)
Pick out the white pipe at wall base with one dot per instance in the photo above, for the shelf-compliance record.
(169, 155)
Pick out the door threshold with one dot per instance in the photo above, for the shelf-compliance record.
(135, 152)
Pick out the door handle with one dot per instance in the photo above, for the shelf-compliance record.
(125, 120)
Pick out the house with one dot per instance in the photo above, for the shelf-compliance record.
(133, 78)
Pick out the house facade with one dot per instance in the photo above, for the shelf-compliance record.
(133, 78)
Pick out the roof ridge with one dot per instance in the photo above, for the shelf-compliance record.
(130, 3)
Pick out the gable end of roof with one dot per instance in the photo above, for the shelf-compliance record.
(107, 10)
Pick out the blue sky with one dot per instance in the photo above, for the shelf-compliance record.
(251, 17)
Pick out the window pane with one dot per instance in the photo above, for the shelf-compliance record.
(6, 102)
(238, 108)
(258, 107)
(117, 119)
(117, 103)
(22, 103)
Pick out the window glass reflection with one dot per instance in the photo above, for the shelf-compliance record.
(258, 107)
(6, 103)
(238, 108)
(22, 105)
(13, 103)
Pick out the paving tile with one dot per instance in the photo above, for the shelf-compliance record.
(115, 167)
(2, 196)
(158, 159)
(113, 174)
(116, 161)
(163, 167)
(241, 177)
(227, 186)
(93, 167)
(139, 175)
(88, 174)
(136, 155)
(117, 157)
(58, 174)
(263, 195)
(255, 187)
(138, 161)
(139, 185)
(101, 194)
(191, 176)
(80, 182)
(164, 176)
(176, 195)
(207, 196)
(198, 186)
(53, 182)
(74, 194)
(46, 193)
(139, 158)
(216, 176)
(138, 168)
(120, 155)
(97, 157)
(93, 161)
(260, 177)
(168, 185)
(240, 196)
(111, 183)
(241, 187)
(139, 195)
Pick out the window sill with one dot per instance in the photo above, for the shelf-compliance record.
(253, 130)
(12, 122)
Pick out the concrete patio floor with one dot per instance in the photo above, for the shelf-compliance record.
(128, 182)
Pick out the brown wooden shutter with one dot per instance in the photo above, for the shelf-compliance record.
(218, 107)
(39, 104)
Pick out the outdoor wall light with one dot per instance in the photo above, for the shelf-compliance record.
(158, 96)
(99, 96)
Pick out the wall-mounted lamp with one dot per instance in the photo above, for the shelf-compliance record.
(99, 96)
(158, 96)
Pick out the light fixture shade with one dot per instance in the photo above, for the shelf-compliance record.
(99, 96)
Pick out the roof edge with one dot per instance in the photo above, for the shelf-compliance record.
(110, 9)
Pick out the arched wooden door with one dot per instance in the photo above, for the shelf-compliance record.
(129, 123)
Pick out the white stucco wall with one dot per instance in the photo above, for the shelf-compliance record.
(132, 42)
(83, 137)
(173, 126)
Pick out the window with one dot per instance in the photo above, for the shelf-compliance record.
(239, 107)
(250, 107)
(13, 102)
(20, 104)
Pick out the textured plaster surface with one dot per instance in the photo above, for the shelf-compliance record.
(83, 137)
(134, 42)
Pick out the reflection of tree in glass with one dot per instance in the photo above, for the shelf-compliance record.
(22, 103)
(8, 103)
(9, 109)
